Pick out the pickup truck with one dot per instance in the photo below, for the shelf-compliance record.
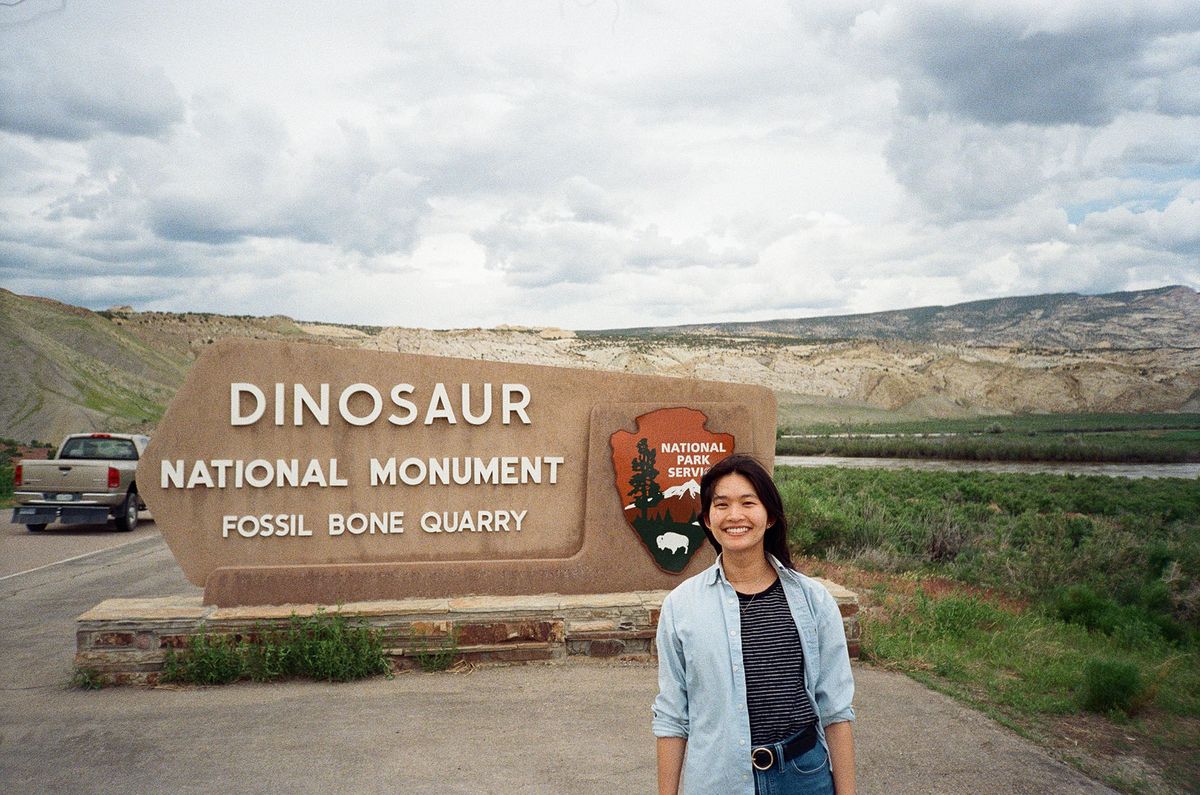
(91, 478)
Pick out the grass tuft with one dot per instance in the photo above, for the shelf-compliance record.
(87, 679)
(1111, 685)
(434, 658)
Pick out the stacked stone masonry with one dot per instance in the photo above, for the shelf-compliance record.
(125, 641)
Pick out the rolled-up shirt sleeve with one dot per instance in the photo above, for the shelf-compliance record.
(671, 703)
(834, 688)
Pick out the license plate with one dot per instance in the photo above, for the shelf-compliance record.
(65, 497)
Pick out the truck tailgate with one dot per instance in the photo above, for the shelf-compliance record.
(64, 476)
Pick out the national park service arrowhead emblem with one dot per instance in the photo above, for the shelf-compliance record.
(658, 469)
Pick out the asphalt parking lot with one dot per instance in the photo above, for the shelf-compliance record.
(582, 727)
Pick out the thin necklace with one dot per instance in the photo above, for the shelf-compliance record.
(755, 578)
(745, 605)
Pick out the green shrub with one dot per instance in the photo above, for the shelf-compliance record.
(336, 651)
(318, 647)
(208, 661)
(1136, 632)
(1079, 604)
(993, 444)
(1079, 529)
(1111, 685)
(269, 660)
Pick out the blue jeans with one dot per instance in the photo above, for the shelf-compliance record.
(807, 774)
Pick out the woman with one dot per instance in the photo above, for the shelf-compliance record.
(754, 679)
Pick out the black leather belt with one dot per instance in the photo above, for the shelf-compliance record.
(763, 757)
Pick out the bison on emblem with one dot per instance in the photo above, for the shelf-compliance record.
(673, 542)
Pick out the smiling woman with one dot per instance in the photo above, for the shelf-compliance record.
(781, 722)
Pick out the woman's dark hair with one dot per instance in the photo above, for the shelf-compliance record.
(775, 540)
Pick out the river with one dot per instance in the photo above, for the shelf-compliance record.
(1191, 470)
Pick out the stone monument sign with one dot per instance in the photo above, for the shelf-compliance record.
(298, 473)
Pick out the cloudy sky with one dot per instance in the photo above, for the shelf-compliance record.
(594, 163)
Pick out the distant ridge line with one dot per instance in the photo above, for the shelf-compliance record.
(1129, 320)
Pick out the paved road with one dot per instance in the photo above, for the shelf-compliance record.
(21, 550)
(576, 728)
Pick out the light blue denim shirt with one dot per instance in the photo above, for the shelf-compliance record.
(702, 686)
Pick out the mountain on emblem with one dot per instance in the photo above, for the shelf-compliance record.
(681, 503)
(658, 469)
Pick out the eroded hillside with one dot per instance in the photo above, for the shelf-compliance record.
(71, 369)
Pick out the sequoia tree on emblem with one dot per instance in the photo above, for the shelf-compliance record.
(658, 469)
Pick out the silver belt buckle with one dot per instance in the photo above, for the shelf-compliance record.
(754, 757)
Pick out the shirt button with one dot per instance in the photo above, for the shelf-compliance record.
(735, 666)
(732, 633)
(741, 742)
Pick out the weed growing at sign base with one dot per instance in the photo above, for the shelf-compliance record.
(432, 659)
(210, 660)
(324, 647)
(87, 679)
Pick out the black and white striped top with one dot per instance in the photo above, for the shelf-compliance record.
(774, 665)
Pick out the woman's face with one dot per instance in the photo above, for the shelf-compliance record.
(736, 516)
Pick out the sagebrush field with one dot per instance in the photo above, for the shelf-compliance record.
(1067, 607)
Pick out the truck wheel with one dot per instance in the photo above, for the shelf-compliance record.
(35, 528)
(127, 518)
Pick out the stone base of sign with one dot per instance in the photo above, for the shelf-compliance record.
(124, 641)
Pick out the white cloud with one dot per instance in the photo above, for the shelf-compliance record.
(988, 171)
(1033, 63)
(76, 94)
(1175, 228)
(466, 164)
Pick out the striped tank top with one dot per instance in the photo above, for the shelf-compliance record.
(773, 661)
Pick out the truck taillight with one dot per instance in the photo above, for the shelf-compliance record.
(17, 476)
(114, 478)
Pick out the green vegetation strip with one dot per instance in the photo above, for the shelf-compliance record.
(1128, 438)
(1120, 447)
(1013, 423)
(1038, 598)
